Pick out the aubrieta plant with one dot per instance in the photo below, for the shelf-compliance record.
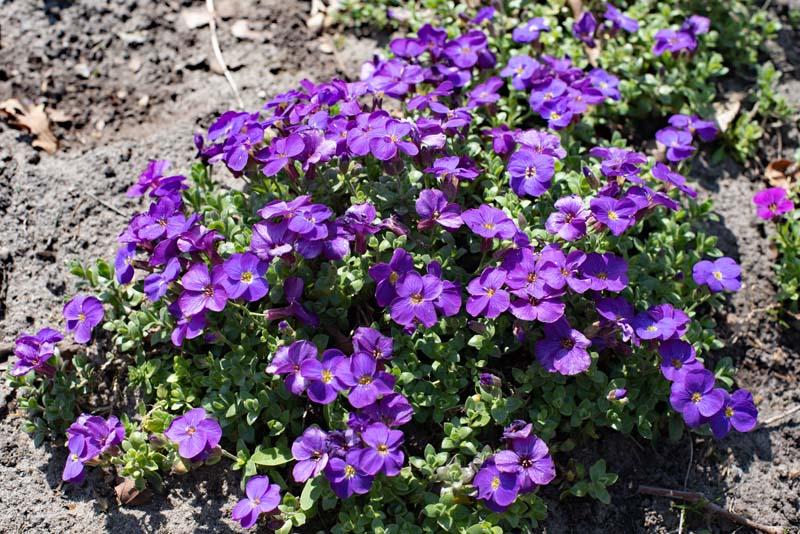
(434, 283)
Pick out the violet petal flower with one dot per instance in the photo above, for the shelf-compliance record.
(563, 349)
(722, 274)
(496, 489)
(383, 454)
(262, 498)
(310, 450)
(195, 432)
(738, 412)
(83, 313)
(695, 396)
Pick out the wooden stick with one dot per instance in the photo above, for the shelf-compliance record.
(212, 24)
(703, 502)
(775, 418)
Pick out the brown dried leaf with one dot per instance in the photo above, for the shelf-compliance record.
(725, 112)
(128, 495)
(31, 118)
(782, 173)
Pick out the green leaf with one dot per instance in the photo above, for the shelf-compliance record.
(311, 492)
(272, 456)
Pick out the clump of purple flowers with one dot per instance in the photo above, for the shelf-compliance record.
(91, 440)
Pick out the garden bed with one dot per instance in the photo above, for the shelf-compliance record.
(71, 205)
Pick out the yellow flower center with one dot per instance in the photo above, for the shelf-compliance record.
(612, 215)
(490, 292)
(383, 449)
(349, 471)
(530, 172)
(247, 277)
(728, 412)
(677, 364)
(393, 277)
(696, 397)
(488, 226)
(327, 376)
(717, 275)
(495, 483)
(365, 380)
(416, 298)
(81, 316)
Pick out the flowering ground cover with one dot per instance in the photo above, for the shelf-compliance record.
(434, 287)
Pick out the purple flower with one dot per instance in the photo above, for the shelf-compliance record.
(83, 313)
(102, 434)
(696, 25)
(667, 175)
(530, 31)
(262, 498)
(123, 263)
(563, 349)
(195, 433)
(433, 208)
(279, 153)
(187, 327)
(723, 274)
(569, 222)
(366, 382)
(322, 377)
(372, 342)
(245, 277)
(538, 305)
(706, 130)
(487, 296)
(464, 51)
(383, 454)
(415, 299)
(33, 352)
(311, 453)
(498, 490)
(531, 172)
(772, 203)
(80, 451)
(673, 41)
(661, 322)
(202, 291)
(346, 475)
(289, 361)
(385, 144)
(605, 272)
(156, 284)
(530, 460)
(677, 358)
(678, 143)
(451, 167)
(520, 69)
(583, 29)
(619, 162)
(616, 215)
(617, 394)
(606, 83)
(738, 411)
(620, 21)
(695, 396)
(392, 410)
(485, 93)
(489, 222)
(517, 429)
(386, 275)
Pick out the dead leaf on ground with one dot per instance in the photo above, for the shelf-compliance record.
(128, 495)
(33, 119)
(725, 111)
(782, 173)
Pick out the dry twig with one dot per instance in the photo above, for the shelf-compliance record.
(212, 24)
(704, 503)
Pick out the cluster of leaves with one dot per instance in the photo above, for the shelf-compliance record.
(458, 417)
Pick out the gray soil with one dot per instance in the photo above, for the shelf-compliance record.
(136, 82)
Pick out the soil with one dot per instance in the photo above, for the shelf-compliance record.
(135, 81)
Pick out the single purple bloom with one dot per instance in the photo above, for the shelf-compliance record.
(617, 394)
(678, 143)
(372, 342)
(667, 175)
(489, 381)
(619, 162)
(542, 142)
(386, 275)
(33, 352)
(530, 31)
(451, 167)
(289, 361)
(433, 208)
(383, 454)
(149, 178)
(484, 14)
(584, 27)
(569, 222)
(83, 313)
(563, 349)
(156, 284)
(706, 130)
(280, 153)
(529, 458)
(531, 173)
(245, 277)
(498, 490)
(673, 41)
(520, 69)
(696, 24)
(346, 475)
(415, 299)
(385, 144)
(695, 396)
(738, 411)
(186, 327)
(203, 291)
(619, 21)
(616, 215)
(677, 358)
(722, 274)
(486, 92)
(543, 305)
(366, 382)
(322, 377)
(80, 451)
(546, 94)
(606, 272)
(772, 203)
(489, 222)
(262, 498)
(606, 83)
(392, 410)
(487, 296)
(464, 51)
(517, 429)
(123, 263)
(195, 432)
(311, 453)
